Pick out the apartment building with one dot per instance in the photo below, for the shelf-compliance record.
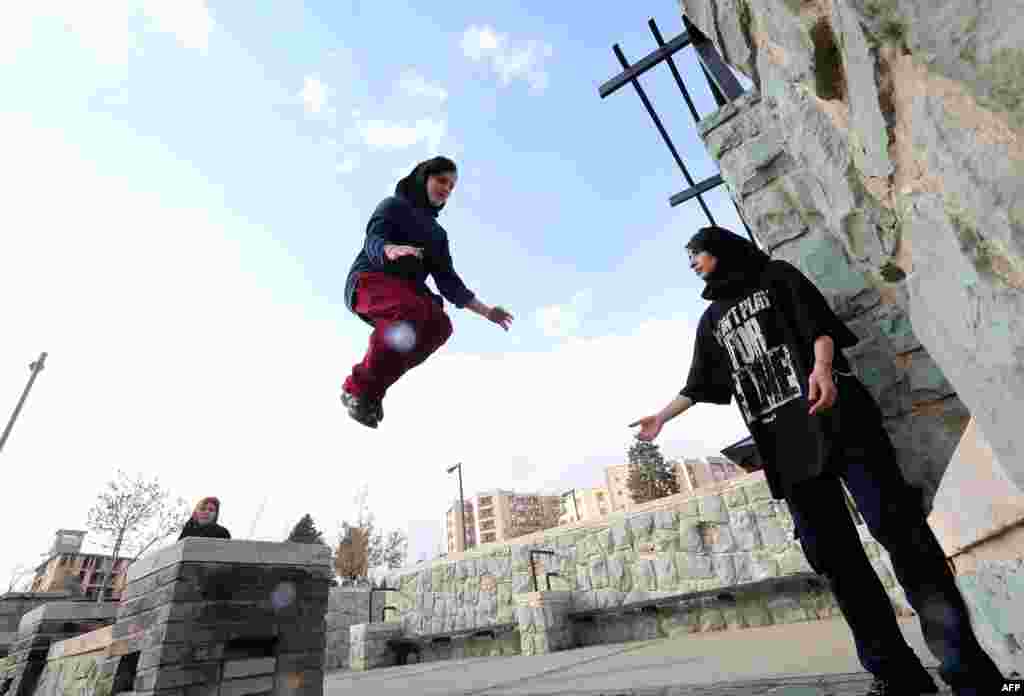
(617, 484)
(454, 527)
(503, 514)
(583, 504)
(683, 476)
(67, 568)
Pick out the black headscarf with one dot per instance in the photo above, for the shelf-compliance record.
(740, 263)
(413, 187)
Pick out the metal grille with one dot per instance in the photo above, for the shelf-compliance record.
(723, 84)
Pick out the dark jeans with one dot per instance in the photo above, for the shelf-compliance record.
(408, 327)
(894, 514)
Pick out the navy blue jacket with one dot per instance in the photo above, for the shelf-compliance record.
(397, 221)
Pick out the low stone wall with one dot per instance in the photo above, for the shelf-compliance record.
(227, 617)
(41, 627)
(346, 607)
(15, 605)
(79, 666)
(731, 535)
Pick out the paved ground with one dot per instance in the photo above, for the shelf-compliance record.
(805, 659)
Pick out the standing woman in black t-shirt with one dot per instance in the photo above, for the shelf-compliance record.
(815, 423)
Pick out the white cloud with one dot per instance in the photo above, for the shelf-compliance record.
(107, 29)
(561, 321)
(415, 85)
(393, 135)
(347, 165)
(189, 20)
(314, 94)
(509, 60)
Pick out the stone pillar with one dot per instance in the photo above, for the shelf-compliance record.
(544, 622)
(369, 645)
(347, 606)
(49, 623)
(15, 605)
(228, 618)
(978, 518)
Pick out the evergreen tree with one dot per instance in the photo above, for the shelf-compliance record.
(305, 532)
(650, 476)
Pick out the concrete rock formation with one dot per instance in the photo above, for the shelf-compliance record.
(881, 153)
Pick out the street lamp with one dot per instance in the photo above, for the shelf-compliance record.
(462, 502)
(36, 367)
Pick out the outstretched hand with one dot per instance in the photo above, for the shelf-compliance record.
(500, 316)
(650, 426)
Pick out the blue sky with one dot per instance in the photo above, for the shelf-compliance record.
(188, 181)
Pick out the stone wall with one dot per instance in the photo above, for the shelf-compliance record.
(347, 606)
(15, 605)
(43, 626)
(79, 666)
(886, 161)
(227, 616)
(979, 520)
(734, 534)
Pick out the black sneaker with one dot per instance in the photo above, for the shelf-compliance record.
(360, 410)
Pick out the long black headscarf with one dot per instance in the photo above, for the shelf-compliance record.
(739, 266)
(413, 187)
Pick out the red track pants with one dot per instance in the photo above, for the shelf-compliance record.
(407, 328)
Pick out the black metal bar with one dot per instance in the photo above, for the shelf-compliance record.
(642, 66)
(378, 589)
(533, 567)
(675, 71)
(664, 134)
(700, 188)
(723, 83)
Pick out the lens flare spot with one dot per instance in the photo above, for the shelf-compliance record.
(401, 337)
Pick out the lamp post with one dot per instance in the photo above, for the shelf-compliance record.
(462, 503)
(36, 368)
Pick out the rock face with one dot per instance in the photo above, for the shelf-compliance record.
(881, 152)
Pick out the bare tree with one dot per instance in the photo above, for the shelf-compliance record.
(133, 515)
(363, 548)
(18, 581)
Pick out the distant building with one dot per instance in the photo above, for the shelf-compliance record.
(617, 483)
(582, 504)
(67, 568)
(504, 514)
(454, 526)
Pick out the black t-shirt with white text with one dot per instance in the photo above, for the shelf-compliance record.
(759, 348)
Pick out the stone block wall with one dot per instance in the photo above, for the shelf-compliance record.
(40, 628)
(15, 605)
(734, 534)
(369, 645)
(347, 606)
(79, 666)
(544, 624)
(227, 618)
